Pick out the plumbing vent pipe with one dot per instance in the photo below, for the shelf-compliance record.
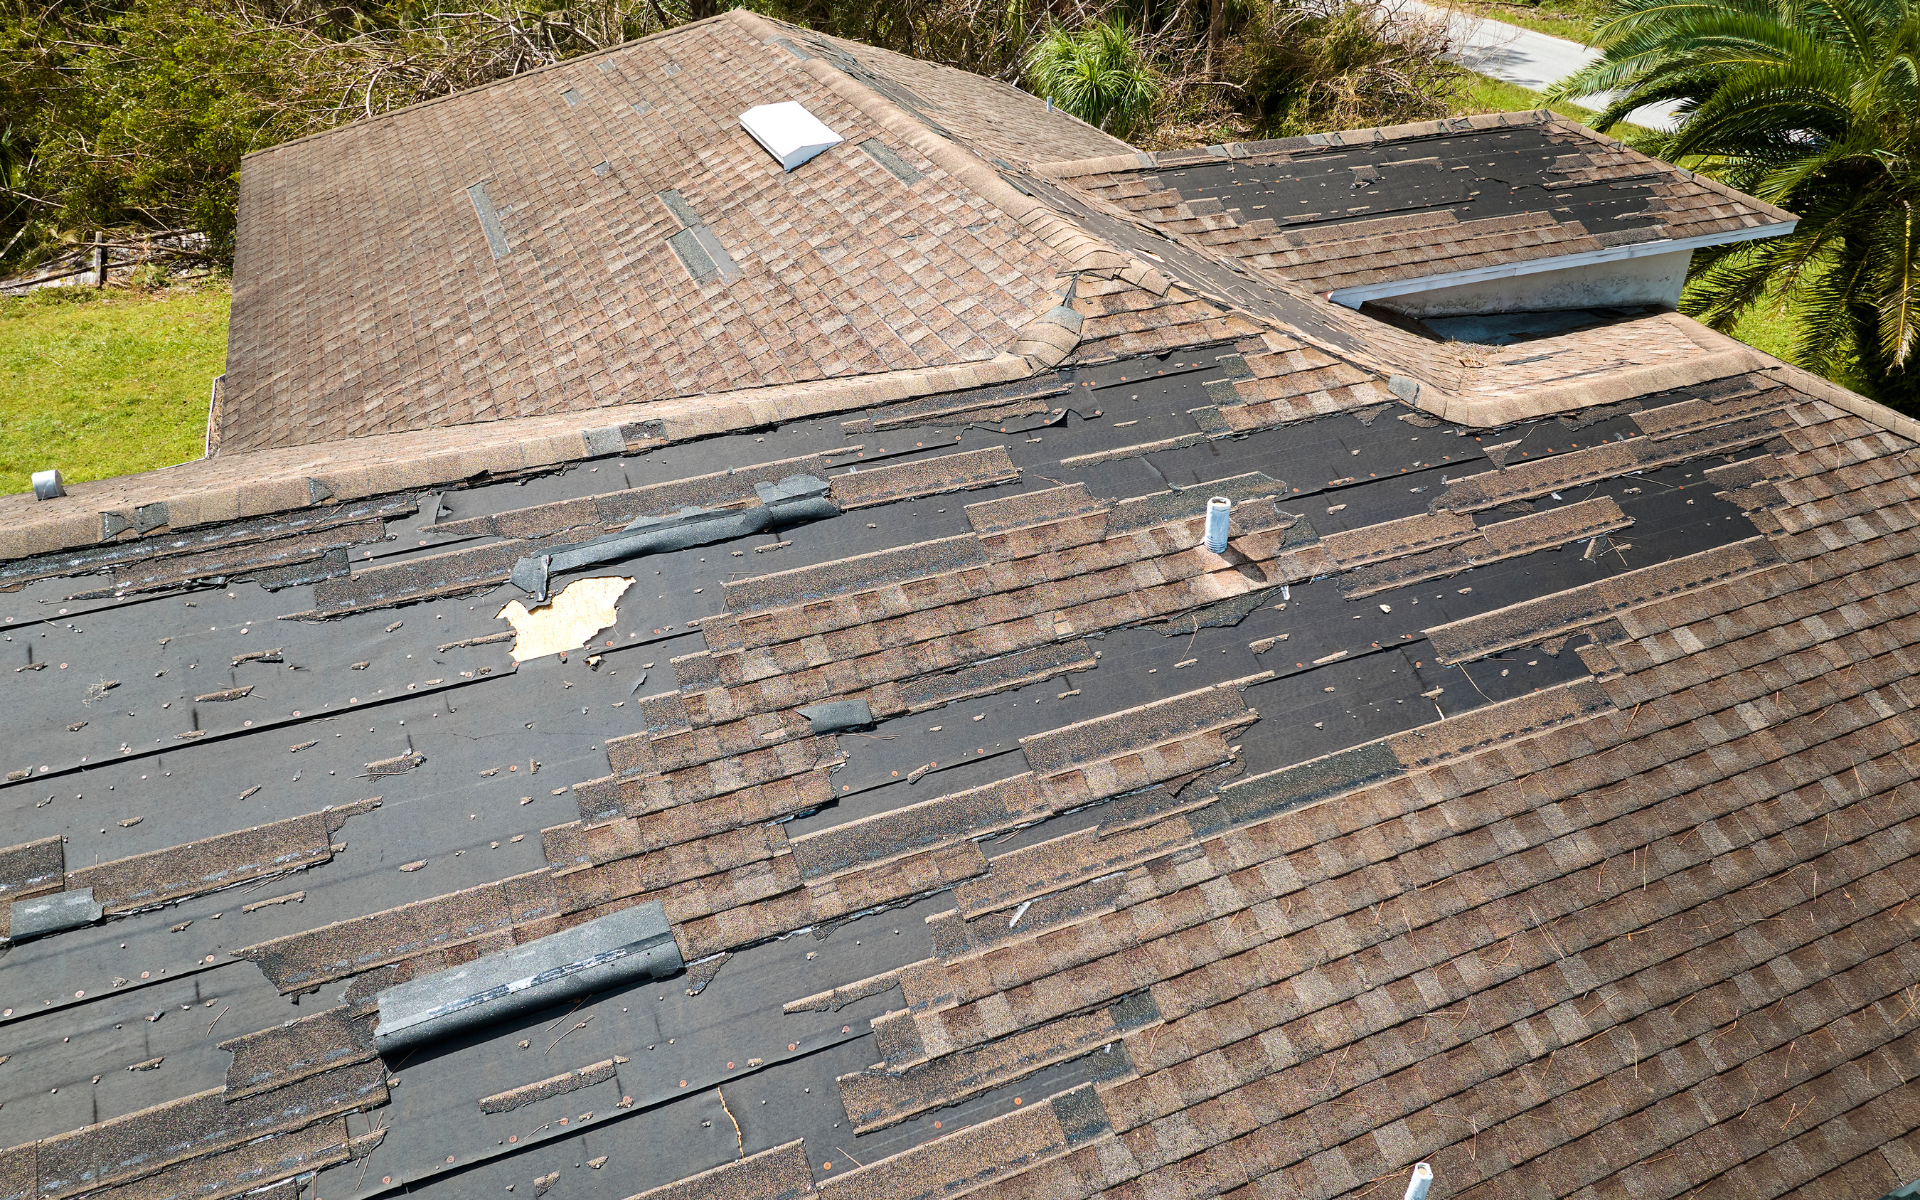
(1421, 1181)
(1217, 510)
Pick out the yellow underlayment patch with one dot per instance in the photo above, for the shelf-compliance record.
(583, 609)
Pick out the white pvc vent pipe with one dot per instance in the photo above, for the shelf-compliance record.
(1218, 509)
(1421, 1181)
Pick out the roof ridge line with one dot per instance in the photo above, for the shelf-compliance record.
(430, 101)
(1803, 380)
(450, 455)
(1148, 160)
(1604, 386)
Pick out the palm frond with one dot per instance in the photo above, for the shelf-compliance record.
(1895, 266)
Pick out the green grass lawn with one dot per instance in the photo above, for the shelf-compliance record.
(1768, 328)
(107, 383)
(1570, 19)
(1482, 94)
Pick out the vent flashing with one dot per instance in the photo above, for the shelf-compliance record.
(788, 132)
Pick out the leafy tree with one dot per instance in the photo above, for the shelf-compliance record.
(132, 115)
(1812, 105)
(1098, 74)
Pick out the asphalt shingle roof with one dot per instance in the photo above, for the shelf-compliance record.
(1525, 790)
(1409, 202)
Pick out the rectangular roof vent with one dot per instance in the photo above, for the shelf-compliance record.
(788, 132)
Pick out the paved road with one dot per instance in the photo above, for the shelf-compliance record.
(1522, 56)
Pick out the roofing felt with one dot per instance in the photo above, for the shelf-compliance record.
(1467, 810)
(1378, 206)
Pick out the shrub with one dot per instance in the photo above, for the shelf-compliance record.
(1098, 74)
(1357, 65)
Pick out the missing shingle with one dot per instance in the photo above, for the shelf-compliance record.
(877, 150)
(729, 270)
(705, 259)
(583, 609)
(693, 258)
(1081, 1115)
(489, 221)
(678, 206)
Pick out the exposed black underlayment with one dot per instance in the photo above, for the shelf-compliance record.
(1486, 173)
(497, 748)
(667, 1036)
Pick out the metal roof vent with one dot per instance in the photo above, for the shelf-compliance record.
(788, 132)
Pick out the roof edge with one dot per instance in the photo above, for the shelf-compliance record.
(1818, 386)
(430, 101)
(1146, 160)
(1354, 297)
(1705, 181)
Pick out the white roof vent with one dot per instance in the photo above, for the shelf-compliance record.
(788, 132)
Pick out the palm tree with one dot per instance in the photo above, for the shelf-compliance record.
(1097, 74)
(1813, 105)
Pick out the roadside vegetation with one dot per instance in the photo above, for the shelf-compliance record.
(127, 119)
